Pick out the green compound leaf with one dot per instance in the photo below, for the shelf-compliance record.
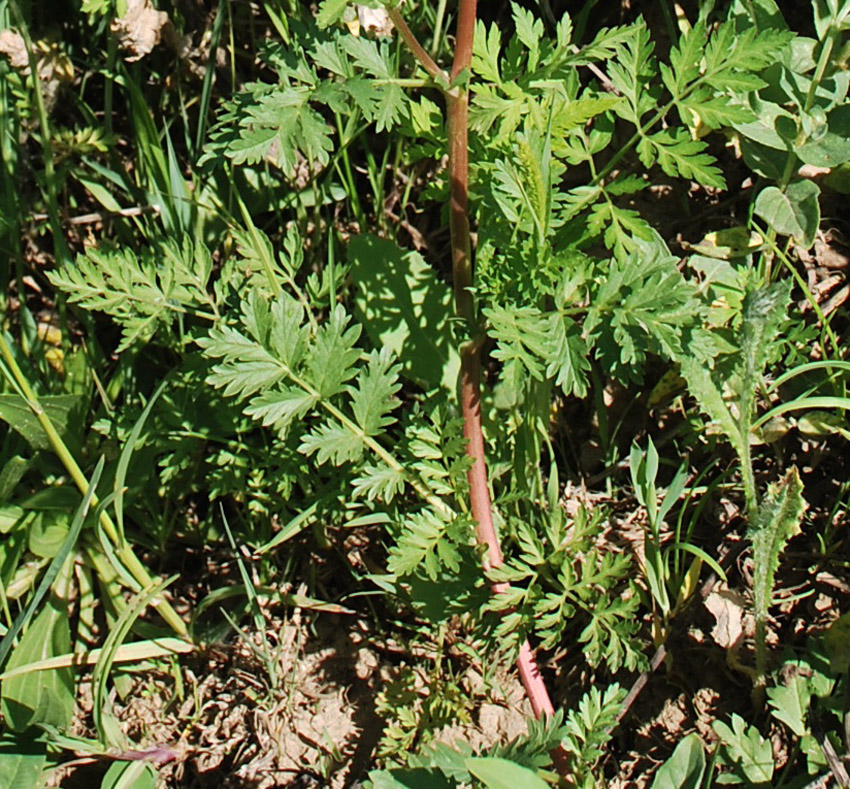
(373, 398)
(330, 11)
(280, 125)
(678, 155)
(333, 356)
(745, 751)
(142, 293)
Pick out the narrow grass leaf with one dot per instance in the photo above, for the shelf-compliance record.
(53, 570)
(126, 653)
(100, 675)
(124, 461)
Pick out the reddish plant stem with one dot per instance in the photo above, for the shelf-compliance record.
(470, 357)
(464, 36)
(479, 491)
(457, 101)
(425, 60)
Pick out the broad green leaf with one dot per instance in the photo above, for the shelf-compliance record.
(768, 162)
(761, 13)
(48, 532)
(11, 515)
(796, 212)
(502, 774)
(829, 146)
(685, 767)
(10, 475)
(836, 642)
(774, 126)
(129, 775)
(831, 14)
(405, 307)
(134, 652)
(22, 761)
(61, 409)
(56, 566)
(100, 193)
(416, 778)
(42, 696)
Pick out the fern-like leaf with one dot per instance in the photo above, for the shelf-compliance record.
(423, 543)
(679, 155)
(334, 354)
(372, 399)
(140, 293)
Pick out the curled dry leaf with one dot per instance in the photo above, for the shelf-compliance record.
(727, 608)
(52, 63)
(375, 21)
(13, 47)
(139, 29)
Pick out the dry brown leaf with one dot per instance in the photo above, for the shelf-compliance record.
(53, 65)
(375, 21)
(139, 29)
(727, 608)
(13, 47)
